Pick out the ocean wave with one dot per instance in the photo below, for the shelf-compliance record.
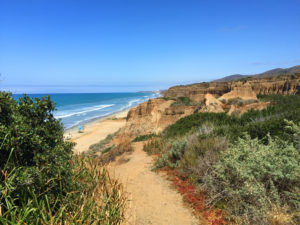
(91, 109)
(130, 103)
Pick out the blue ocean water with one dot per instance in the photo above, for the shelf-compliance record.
(77, 109)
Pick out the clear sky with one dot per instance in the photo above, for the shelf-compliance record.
(130, 45)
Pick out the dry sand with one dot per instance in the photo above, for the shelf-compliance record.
(96, 130)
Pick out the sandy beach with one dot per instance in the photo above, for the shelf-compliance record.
(96, 130)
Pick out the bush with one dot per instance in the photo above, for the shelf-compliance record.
(172, 157)
(190, 123)
(182, 101)
(144, 137)
(32, 141)
(155, 145)
(200, 154)
(41, 181)
(251, 176)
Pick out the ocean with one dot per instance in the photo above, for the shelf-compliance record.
(78, 109)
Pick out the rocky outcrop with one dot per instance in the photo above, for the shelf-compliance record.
(243, 91)
(211, 104)
(153, 116)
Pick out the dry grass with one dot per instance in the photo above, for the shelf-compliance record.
(124, 146)
(98, 199)
(280, 216)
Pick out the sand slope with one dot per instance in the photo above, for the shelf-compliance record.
(95, 132)
(151, 199)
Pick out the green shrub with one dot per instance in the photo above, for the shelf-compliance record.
(144, 137)
(41, 181)
(200, 154)
(251, 176)
(182, 101)
(32, 141)
(172, 157)
(155, 145)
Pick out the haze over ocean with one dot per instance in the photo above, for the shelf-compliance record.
(79, 108)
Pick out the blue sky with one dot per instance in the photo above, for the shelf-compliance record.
(131, 45)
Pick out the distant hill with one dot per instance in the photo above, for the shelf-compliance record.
(269, 73)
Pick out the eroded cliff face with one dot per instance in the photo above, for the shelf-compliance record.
(153, 117)
(234, 98)
(245, 89)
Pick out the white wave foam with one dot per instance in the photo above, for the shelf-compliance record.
(91, 109)
(130, 103)
(86, 119)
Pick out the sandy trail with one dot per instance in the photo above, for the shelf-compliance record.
(151, 199)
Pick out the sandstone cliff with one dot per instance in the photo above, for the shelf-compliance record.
(154, 116)
(246, 89)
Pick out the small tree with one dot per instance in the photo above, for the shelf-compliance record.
(32, 146)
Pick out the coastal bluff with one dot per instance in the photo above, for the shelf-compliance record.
(233, 98)
(244, 88)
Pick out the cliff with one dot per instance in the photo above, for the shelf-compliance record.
(154, 116)
(245, 88)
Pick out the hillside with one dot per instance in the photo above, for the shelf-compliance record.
(269, 73)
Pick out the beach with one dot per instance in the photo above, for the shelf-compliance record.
(96, 131)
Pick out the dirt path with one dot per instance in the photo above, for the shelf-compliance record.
(151, 199)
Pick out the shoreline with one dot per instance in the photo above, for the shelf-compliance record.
(97, 129)
(118, 115)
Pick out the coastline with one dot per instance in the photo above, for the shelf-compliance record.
(96, 130)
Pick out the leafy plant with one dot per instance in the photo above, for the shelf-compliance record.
(251, 175)
(183, 100)
(41, 181)
(144, 137)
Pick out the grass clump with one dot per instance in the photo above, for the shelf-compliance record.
(114, 152)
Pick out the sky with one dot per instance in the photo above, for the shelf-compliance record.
(132, 45)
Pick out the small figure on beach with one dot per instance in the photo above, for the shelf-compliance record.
(80, 129)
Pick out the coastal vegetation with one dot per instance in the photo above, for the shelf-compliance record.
(246, 166)
(144, 137)
(103, 145)
(182, 100)
(41, 181)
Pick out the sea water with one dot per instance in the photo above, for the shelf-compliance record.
(78, 109)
